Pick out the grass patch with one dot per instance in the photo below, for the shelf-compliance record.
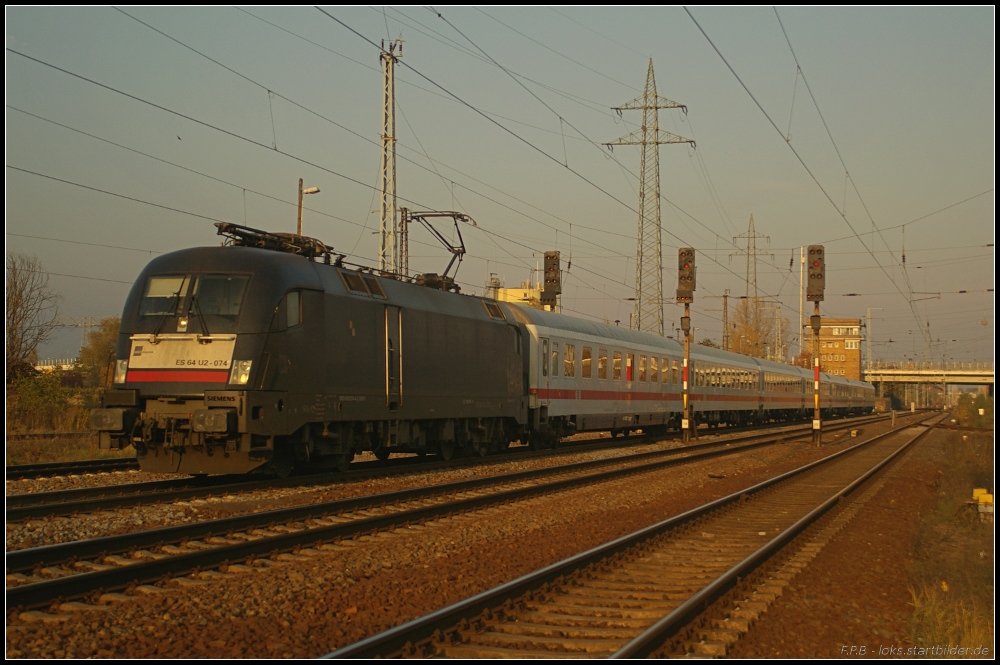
(47, 451)
(952, 575)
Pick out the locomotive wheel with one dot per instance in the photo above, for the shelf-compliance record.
(283, 465)
(382, 454)
(343, 461)
(447, 450)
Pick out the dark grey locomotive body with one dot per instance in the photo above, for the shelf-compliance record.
(288, 360)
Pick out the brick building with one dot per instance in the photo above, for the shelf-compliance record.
(840, 347)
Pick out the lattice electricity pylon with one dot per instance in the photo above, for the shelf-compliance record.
(752, 292)
(649, 255)
(388, 247)
(86, 323)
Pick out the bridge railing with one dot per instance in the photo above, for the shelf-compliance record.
(928, 366)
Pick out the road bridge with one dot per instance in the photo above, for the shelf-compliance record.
(943, 373)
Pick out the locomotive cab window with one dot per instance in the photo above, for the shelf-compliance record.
(218, 297)
(293, 309)
(288, 313)
(164, 295)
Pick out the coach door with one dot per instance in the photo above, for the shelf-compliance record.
(393, 357)
(544, 373)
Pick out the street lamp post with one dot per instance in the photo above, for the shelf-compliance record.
(310, 190)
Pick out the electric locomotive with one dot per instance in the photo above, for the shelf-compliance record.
(265, 353)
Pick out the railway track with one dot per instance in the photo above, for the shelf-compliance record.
(69, 502)
(78, 569)
(26, 471)
(634, 596)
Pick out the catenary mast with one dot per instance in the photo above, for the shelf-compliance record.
(649, 255)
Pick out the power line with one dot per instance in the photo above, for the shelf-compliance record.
(80, 242)
(487, 117)
(795, 152)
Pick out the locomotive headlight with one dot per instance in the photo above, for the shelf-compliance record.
(121, 369)
(241, 372)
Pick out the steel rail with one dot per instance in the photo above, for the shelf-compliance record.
(143, 571)
(27, 471)
(653, 638)
(68, 502)
(402, 638)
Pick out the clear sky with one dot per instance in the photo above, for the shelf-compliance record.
(129, 134)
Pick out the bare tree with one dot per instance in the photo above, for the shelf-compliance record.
(98, 355)
(752, 328)
(31, 312)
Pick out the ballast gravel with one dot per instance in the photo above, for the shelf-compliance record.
(334, 594)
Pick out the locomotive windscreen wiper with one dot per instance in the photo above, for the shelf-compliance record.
(171, 311)
(196, 308)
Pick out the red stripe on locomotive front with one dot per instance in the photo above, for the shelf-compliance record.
(177, 376)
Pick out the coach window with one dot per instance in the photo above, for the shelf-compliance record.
(677, 373)
(585, 362)
(629, 366)
(654, 370)
(555, 359)
(569, 361)
(545, 357)
(616, 366)
(602, 363)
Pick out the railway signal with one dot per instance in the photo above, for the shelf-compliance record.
(553, 280)
(685, 274)
(817, 273)
(685, 294)
(816, 282)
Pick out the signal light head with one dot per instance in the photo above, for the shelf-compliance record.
(817, 274)
(685, 274)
